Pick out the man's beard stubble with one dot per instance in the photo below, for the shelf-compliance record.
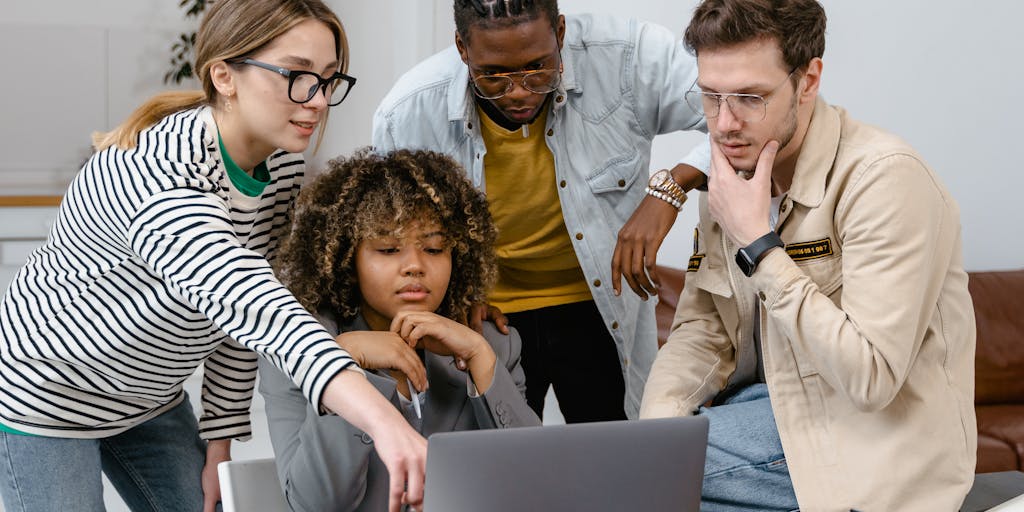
(784, 135)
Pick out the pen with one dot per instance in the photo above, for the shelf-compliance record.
(415, 397)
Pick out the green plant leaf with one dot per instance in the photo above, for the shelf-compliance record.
(181, 51)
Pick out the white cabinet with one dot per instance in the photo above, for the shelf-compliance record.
(22, 230)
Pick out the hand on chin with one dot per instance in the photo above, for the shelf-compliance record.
(740, 204)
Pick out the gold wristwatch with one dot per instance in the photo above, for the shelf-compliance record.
(664, 187)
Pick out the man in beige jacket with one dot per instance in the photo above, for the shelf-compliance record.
(825, 311)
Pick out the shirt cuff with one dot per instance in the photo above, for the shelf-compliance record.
(325, 374)
(699, 157)
(773, 274)
(234, 426)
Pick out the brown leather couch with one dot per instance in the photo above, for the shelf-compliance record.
(999, 361)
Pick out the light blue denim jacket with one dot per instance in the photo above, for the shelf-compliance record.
(623, 83)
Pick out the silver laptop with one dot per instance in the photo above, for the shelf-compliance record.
(608, 466)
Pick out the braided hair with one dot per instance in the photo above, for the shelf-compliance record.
(501, 13)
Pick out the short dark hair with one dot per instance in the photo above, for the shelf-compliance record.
(369, 195)
(501, 13)
(797, 25)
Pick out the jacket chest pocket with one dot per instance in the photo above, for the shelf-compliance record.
(714, 282)
(827, 274)
(815, 251)
(711, 280)
(614, 183)
(606, 153)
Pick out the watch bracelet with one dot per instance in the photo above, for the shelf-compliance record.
(672, 189)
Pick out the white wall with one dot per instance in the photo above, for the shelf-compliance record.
(73, 68)
(385, 39)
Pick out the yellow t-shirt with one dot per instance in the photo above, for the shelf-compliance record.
(537, 266)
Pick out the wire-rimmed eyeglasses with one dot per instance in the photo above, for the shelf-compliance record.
(538, 81)
(303, 85)
(749, 108)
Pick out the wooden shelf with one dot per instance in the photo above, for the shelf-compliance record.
(23, 201)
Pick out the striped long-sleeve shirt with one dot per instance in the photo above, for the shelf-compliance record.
(154, 265)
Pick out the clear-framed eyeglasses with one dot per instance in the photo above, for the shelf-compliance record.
(303, 85)
(537, 81)
(749, 108)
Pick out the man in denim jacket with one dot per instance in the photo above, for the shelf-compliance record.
(553, 118)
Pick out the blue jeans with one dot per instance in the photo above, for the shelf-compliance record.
(155, 466)
(745, 468)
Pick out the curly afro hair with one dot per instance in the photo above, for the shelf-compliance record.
(370, 195)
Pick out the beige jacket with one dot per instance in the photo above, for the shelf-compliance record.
(868, 336)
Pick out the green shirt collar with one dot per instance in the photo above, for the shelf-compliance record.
(251, 186)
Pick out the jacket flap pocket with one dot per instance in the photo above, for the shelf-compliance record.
(616, 173)
(712, 282)
(827, 273)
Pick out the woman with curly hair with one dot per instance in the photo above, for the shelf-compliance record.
(391, 252)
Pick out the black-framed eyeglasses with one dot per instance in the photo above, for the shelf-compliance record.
(303, 85)
(749, 108)
(538, 81)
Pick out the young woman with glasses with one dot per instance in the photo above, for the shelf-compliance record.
(159, 261)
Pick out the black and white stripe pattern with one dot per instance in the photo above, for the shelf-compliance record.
(154, 265)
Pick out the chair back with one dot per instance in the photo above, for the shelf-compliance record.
(250, 486)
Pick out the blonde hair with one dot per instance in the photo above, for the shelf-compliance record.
(231, 29)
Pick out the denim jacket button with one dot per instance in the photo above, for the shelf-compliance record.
(597, 283)
(561, 183)
(579, 236)
(551, 132)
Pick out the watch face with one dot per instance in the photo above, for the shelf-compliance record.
(744, 262)
(658, 179)
(748, 257)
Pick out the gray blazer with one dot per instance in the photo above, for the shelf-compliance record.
(324, 463)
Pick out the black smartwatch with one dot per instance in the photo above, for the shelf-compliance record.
(748, 257)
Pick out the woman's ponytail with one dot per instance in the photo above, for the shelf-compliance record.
(156, 108)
